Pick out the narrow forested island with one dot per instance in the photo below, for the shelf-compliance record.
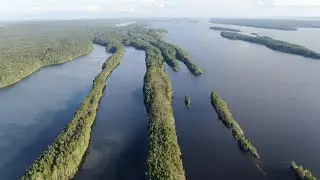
(224, 29)
(273, 44)
(277, 24)
(183, 56)
(164, 160)
(226, 117)
(302, 173)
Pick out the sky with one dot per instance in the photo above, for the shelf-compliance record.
(71, 9)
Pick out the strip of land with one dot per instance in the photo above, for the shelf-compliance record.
(224, 29)
(63, 157)
(164, 161)
(226, 117)
(183, 56)
(273, 44)
(302, 173)
(277, 24)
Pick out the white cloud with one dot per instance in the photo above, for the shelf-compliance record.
(116, 8)
(296, 2)
(125, 9)
(94, 8)
(88, 8)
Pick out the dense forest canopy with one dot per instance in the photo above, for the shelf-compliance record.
(164, 161)
(28, 46)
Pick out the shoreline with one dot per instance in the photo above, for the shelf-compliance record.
(63, 158)
(43, 66)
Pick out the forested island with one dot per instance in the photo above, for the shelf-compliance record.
(226, 117)
(183, 56)
(164, 160)
(277, 24)
(273, 44)
(302, 173)
(63, 157)
(224, 29)
(187, 101)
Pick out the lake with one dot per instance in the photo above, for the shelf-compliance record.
(274, 97)
(35, 110)
(119, 143)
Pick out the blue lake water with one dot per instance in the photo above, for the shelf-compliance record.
(119, 143)
(35, 110)
(274, 97)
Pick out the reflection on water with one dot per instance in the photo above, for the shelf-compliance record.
(273, 96)
(119, 143)
(36, 109)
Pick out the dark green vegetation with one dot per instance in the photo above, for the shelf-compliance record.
(225, 115)
(273, 44)
(172, 54)
(63, 157)
(302, 173)
(168, 53)
(26, 47)
(224, 29)
(164, 160)
(17, 62)
(183, 56)
(279, 24)
(187, 101)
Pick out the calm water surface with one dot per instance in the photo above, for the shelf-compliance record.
(308, 37)
(36, 109)
(274, 97)
(119, 143)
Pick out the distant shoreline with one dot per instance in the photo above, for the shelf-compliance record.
(273, 24)
(273, 44)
